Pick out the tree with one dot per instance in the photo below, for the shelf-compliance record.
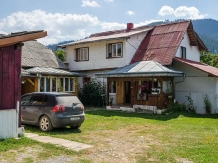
(60, 53)
(209, 59)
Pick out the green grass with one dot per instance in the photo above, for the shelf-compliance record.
(166, 138)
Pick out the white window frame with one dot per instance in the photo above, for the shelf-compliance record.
(114, 51)
(82, 54)
(183, 52)
(57, 78)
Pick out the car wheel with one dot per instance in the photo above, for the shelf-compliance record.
(75, 126)
(45, 124)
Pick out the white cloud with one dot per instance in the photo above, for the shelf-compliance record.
(105, 26)
(130, 13)
(88, 3)
(108, 1)
(60, 27)
(182, 11)
(166, 10)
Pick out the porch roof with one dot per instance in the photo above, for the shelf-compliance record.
(52, 71)
(141, 69)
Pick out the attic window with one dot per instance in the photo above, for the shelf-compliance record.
(183, 52)
(82, 54)
(114, 50)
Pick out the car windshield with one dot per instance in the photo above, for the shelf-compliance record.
(67, 100)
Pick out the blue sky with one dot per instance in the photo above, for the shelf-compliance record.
(77, 19)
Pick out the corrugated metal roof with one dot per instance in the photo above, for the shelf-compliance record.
(51, 71)
(161, 43)
(142, 68)
(34, 54)
(201, 66)
(122, 35)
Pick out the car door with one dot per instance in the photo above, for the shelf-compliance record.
(25, 104)
(38, 103)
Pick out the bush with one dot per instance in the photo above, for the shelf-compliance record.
(91, 94)
(175, 107)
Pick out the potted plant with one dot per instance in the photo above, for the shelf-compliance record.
(207, 104)
(111, 101)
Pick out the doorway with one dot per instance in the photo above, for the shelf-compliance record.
(127, 92)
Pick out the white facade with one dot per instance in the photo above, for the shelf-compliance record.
(192, 52)
(97, 54)
(196, 83)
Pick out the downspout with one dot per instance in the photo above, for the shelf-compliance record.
(184, 76)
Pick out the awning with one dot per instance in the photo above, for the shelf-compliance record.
(52, 71)
(141, 69)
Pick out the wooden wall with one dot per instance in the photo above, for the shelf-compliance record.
(10, 83)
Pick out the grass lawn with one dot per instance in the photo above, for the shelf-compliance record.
(125, 137)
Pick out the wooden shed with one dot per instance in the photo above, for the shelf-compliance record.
(10, 80)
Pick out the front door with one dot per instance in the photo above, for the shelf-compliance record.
(127, 92)
(119, 92)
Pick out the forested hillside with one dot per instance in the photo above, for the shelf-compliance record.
(53, 47)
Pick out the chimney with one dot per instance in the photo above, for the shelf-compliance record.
(129, 26)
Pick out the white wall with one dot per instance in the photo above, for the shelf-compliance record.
(192, 52)
(8, 123)
(197, 83)
(97, 54)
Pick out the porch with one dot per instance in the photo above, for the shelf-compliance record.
(145, 83)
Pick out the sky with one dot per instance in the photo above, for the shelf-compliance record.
(76, 19)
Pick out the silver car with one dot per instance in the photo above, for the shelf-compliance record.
(50, 110)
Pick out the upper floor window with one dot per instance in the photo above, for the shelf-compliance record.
(183, 52)
(114, 50)
(82, 54)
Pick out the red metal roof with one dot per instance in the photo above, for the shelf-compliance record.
(161, 43)
(201, 66)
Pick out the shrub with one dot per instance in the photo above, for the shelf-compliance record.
(175, 107)
(91, 94)
(207, 104)
(190, 106)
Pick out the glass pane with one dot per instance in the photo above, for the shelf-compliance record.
(66, 84)
(119, 50)
(42, 84)
(71, 84)
(53, 84)
(114, 50)
(60, 84)
(47, 84)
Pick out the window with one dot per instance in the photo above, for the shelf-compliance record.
(86, 80)
(114, 50)
(42, 83)
(112, 87)
(82, 54)
(53, 84)
(183, 52)
(25, 100)
(39, 99)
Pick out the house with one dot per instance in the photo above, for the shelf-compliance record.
(145, 66)
(43, 71)
(10, 80)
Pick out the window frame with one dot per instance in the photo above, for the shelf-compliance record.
(183, 52)
(70, 88)
(79, 56)
(109, 50)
